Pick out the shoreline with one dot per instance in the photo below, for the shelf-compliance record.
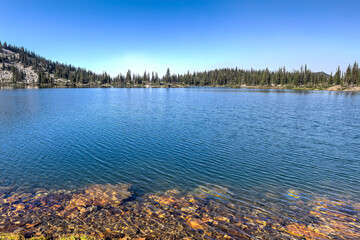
(335, 88)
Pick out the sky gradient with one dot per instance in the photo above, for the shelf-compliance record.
(197, 35)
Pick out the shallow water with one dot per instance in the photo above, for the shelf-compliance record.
(267, 148)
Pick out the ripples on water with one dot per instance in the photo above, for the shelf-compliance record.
(261, 146)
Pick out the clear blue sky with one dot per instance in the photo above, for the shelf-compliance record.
(183, 35)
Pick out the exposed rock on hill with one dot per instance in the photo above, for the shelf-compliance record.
(19, 66)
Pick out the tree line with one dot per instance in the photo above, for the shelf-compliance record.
(48, 71)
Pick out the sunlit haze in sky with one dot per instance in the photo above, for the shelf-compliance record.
(115, 36)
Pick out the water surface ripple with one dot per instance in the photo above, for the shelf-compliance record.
(250, 141)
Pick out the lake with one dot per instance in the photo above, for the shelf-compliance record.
(253, 148)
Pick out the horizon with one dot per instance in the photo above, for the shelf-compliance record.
(186, 35)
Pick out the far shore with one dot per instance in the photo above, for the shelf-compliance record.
(338, 88)
(317, 88)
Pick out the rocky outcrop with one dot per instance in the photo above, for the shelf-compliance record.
(6, 76)
(335, 88)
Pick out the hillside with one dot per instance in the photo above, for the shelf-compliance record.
(10, 68)
(19, 66)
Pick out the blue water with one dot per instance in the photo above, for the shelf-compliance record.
(249, 141)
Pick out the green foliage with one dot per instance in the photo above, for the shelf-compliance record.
(17, 75)
(128, 77)
(167, 77)
(337, 76)
(331, 80)
(355, 74)
(347, 77)
(48, 71)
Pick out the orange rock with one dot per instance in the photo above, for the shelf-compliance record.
(206, 219)
(31, 225)
(222, 218)
(304, 231)
(19, 206)
(102, 235)
(195, 223)
(261, 222)
(100, 195)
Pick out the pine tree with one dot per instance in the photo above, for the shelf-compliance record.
(134, 78)
(283, 76)
(167, 77)
(266, 77)
(347, 78)
(355, 73)
(297, 78)
(145, 77)
(307, 76)
(39, 78)
(156, 77)
(152, 78)
(128, 77)
(337, 76)
(331, 81)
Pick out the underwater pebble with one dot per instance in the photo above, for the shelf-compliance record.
(101, 212)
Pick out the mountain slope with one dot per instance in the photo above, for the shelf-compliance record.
(11, 67)
(17, 65)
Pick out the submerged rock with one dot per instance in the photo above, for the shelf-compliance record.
(96, 196)
(99, 211)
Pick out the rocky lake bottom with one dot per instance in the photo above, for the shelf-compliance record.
(208, 212)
